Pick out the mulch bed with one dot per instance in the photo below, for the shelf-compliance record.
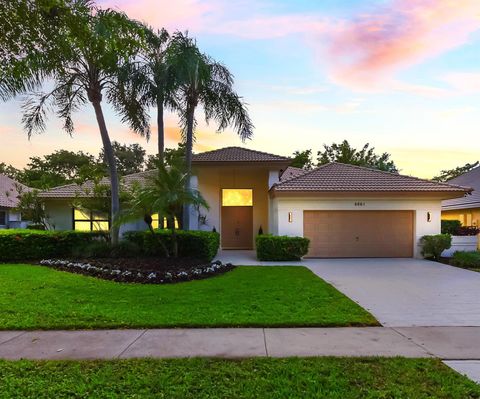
(141, 270)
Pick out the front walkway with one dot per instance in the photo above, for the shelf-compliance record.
(445, 343)
(398, 292)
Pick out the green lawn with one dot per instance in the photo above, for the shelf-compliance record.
(36, 297)
(338, 378)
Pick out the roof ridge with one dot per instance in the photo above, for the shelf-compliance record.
(243, 149)
(399, 175)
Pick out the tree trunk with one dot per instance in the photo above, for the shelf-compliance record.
(112, 169)
(188, 162)
(161, 129)
(174, 240)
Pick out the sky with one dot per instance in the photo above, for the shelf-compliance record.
(402, 75)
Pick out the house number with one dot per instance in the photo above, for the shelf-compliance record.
(359, 203)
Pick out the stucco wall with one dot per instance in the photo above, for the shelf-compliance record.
(297, 206)
(59, 213)
(211, 180)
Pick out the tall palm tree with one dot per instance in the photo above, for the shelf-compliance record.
(152, 80)
(203, 81)
(100, 42)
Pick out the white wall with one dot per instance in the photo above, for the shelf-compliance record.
(297, 205)
(59, 213)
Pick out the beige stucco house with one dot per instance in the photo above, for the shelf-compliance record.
(345, 210)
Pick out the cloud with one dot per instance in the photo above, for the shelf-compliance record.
(463, 82)
(372, 46)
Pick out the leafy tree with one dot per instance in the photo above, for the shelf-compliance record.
(32, 208)
(129, 158)
(366, 156)
(90, 50)
(9, 170)
(302, 159)
(205, 82)
(170, 155)
(449, 174)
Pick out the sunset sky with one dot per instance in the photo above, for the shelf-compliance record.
(403, 75)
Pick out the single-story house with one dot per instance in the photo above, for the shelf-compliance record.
(345, 210)
(466, 208)
(9, 192)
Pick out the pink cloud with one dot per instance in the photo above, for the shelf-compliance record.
(373, 45)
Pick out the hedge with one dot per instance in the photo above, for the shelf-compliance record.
(20, 244)
(198, 244)
(450, 226)
(434, 245)
(466, 259)
(281, 248)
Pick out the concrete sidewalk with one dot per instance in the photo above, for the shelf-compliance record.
(449, 343)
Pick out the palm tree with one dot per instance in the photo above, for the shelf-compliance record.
(165, 192)
(152, 80)
(203, 81)
(100, 43)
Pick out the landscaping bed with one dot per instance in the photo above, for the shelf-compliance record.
(334, 378)
(141, 270)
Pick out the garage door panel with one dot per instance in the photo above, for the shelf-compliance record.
(346, 234)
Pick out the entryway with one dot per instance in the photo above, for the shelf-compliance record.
(237, 219)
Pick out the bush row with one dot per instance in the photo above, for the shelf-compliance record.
(30, 244)
(455, 228)
(198, 244)
(281, 248)
(466, 259)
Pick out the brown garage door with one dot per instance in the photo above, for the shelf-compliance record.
(359, 234)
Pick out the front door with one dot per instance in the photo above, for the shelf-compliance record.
(237, 227)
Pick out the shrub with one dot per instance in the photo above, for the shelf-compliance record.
(22, 244)
(450, 226)
(466, 259)
(434, 245)
(198, 244)
(455, 228)
(281, 248)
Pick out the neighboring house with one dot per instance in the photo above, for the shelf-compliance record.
(9, 192)
(467, 208)
(346, 211)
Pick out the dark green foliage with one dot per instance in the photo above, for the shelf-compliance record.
(470, 260)
(36, 244)
(434, 245)
(302, 159)
(345, 153)
(103, 249)
(130, 158)
(450, 226)
(446, 175)
(281, 248)
(197, 244)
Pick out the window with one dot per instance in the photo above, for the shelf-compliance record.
(237, 197)
(84, 220)
(3, 218)
(156, 224)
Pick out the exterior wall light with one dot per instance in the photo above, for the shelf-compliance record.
(290, 217)
(429, 217)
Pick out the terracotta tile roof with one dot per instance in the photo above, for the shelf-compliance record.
(9, 191)
(469, 179)
(85, 190)
(292, 172)
(341, 177)
(237, 154)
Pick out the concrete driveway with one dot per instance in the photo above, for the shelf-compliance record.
(406, 292)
